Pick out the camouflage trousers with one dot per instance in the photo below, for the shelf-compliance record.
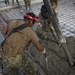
(16, 1)
(19, 62)
(47, 30)
(27, 4)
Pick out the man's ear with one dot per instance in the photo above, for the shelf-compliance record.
(30, 23)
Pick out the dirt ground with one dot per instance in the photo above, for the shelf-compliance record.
(57, 61)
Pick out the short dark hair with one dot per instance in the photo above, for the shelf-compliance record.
(31, 14)
(44, 11)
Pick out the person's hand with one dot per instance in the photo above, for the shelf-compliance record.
(44, 51)
(62, 40)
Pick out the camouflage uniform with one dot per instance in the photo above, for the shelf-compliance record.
(14, 47)
(16, 1)
(46, 20)
(19, 62)
(54, 5)
(47, 27)
(27, 4)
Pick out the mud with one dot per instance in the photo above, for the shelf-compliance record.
(57, 60)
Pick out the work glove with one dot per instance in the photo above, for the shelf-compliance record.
(44, 51)
(62, 40)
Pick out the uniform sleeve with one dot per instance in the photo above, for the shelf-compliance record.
(11, 24)
(34, 37)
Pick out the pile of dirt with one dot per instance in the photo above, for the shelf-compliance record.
(57, 60)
